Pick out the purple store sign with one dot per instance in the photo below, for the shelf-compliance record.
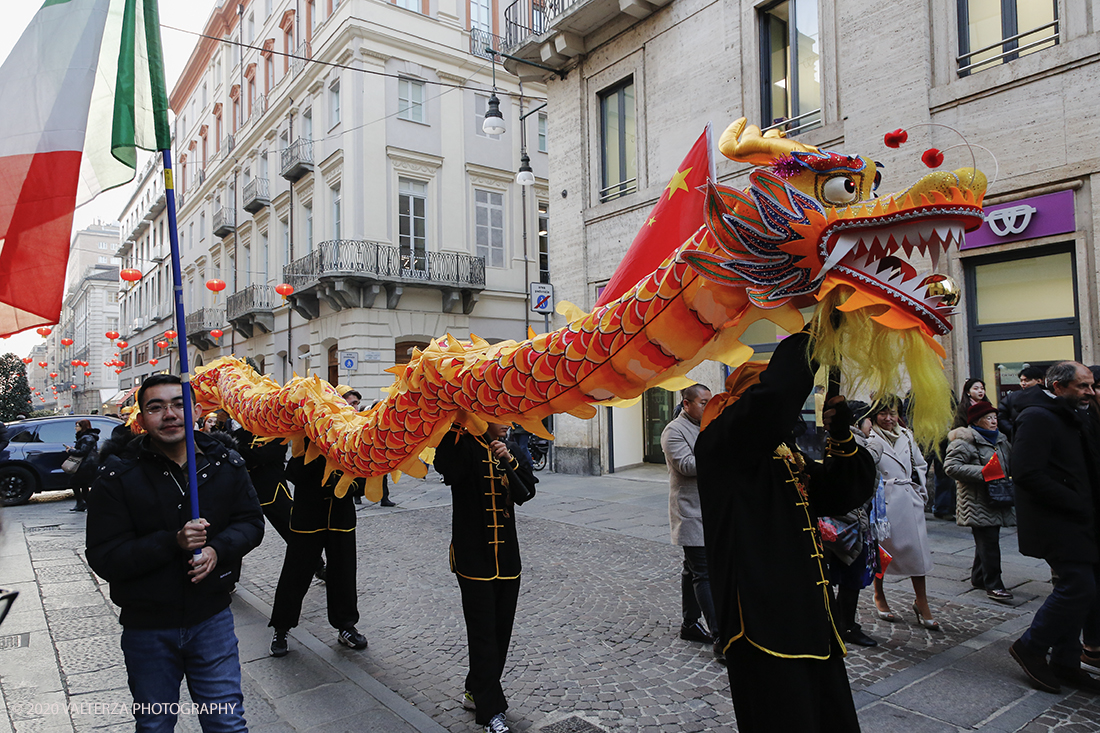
(1041, 216)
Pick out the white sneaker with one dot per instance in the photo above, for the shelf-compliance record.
(468, 701)
(498, 725)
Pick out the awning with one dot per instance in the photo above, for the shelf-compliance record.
(121, 397)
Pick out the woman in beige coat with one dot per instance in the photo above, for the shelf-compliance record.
(970, 449)
(903, 470)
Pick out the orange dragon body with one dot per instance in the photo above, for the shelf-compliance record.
(808, 228)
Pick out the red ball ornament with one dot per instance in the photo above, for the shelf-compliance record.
(216, 333)
(153, 362)
(53, 375)
(44, 331)
(284, 289)
(112, 335)
(170, 335)
(122, 344)
(130, 275)
(215, 285)
(87, 374)
(66, 342)
(932, 158)
(896, 138)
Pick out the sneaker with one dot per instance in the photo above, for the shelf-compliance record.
(1076, 677)
(349, 637)
(695, 632)
(468, 701)
(1090, 661)
(497, 724)
(1035, 667)
(279, 645)
(999, 594)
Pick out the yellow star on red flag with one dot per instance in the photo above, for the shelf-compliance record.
(677, 183)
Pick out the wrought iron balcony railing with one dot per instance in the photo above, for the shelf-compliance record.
(383, 261)
(252, 298)
(256, 195)
(297, 159)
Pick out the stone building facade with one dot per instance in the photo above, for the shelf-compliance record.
(636, 80)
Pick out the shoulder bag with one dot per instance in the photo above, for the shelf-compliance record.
(1002, 492)
(72, 464)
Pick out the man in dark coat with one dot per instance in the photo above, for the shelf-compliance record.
(761, 499)
(1057, 477)
(488, 476)
(142, 540)
(1030, 378)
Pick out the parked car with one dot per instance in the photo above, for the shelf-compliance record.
(32, 461)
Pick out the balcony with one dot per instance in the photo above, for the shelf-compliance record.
(301, 56)
(480, 40)
(179, 200)
(200, 323)
(553, 32)
(251, 308)
(352, 273)
(256, 195)
(297, 159)
(225, 221)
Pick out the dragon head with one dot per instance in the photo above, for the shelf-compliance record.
(813, 223)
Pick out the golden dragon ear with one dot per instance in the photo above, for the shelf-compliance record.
(746, 144)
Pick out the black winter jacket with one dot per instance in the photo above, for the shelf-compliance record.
(1057, 477)
(137, 505)
(87, 447)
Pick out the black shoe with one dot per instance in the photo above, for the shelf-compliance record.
(719, 655)
(279, 645)
(695, 632)
(386, 502)
(1076, 677)
(856, 636)
(945, 517)
(999, 594)
(79, 507)
(349, 637)
(357, 499)
(1035, 667)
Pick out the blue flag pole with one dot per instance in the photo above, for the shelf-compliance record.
(181, 334)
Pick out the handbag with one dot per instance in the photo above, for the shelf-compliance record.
(72, 464)
(1002, 492)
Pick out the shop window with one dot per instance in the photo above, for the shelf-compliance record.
(791, 65)
(618, 142)
(1023, 312)
(994, 32)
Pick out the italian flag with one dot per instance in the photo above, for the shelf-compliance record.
(82, 89)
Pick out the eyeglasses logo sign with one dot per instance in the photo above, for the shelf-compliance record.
(1013, 220)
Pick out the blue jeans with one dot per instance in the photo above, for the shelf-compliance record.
(206, 653)
(1069, 608)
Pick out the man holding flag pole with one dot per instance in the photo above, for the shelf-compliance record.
(83, 89)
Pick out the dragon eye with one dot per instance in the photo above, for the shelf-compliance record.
(840, 190)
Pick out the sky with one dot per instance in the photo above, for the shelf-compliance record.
(186, 14)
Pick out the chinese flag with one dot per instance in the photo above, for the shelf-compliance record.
(677, 215)
(992, 470)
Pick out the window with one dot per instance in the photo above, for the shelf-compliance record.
(204, 95)
(251, 28)
(267, 8)
(314, 17)
(309, 227)
(489, 227)
(335, 191)
(104, 260)
(307, 124)
(408, 4)
(269, 73)
(994, 32)
(481, 15)
(247, 266)
(412, 204)
(263, 165)
(410, 100)
(542, 132)
(263, 256)
(251, 96)
(791, 70)
(544, 242)
(619, 149)
(481, 105)
(334, 104)
(190, 235)
(285, 227)
(104, 245)
(202, 226)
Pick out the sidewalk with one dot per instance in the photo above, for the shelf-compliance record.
(595, 645)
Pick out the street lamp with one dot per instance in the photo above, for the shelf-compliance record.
(494, 120)
(526, 176)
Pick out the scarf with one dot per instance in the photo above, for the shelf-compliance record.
(990, 435)
(890, 437)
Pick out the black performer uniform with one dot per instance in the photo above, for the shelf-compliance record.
(485, 553)
(761, 499)
(266, 464)
(318, 521)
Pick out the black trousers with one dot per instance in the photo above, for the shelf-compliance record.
(772, 694)
(303, 553)
(985, 573)
(695, 595)
(490, 609)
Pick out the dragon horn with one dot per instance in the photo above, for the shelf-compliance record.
(749, 145)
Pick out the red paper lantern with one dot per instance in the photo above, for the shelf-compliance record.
(153, 362)
(284, 289)
(122, 344)
(130, 275)
(74, 362)
(43, 364)
(216, 333)
(74, 387)
(66, 406)
(162, 344)
(112, 335)
(27, 360)
(87, 374)
(44, 331)
(118, 371)
(66, 342)
(170, 335)
(53, 375)
(83, 363)
(215, 285)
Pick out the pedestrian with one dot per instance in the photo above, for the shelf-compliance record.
(903, 471)
(488, 477)
(320, 521)
(685, 518)
(1029, 376)
(1057, 477)
(175, 615)
(761, 498)
(87, 450)
(970, 450)
(973, 392)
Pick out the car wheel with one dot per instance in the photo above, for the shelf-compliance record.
(16, 485)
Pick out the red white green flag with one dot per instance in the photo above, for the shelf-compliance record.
(676, 216)
(82, 89)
